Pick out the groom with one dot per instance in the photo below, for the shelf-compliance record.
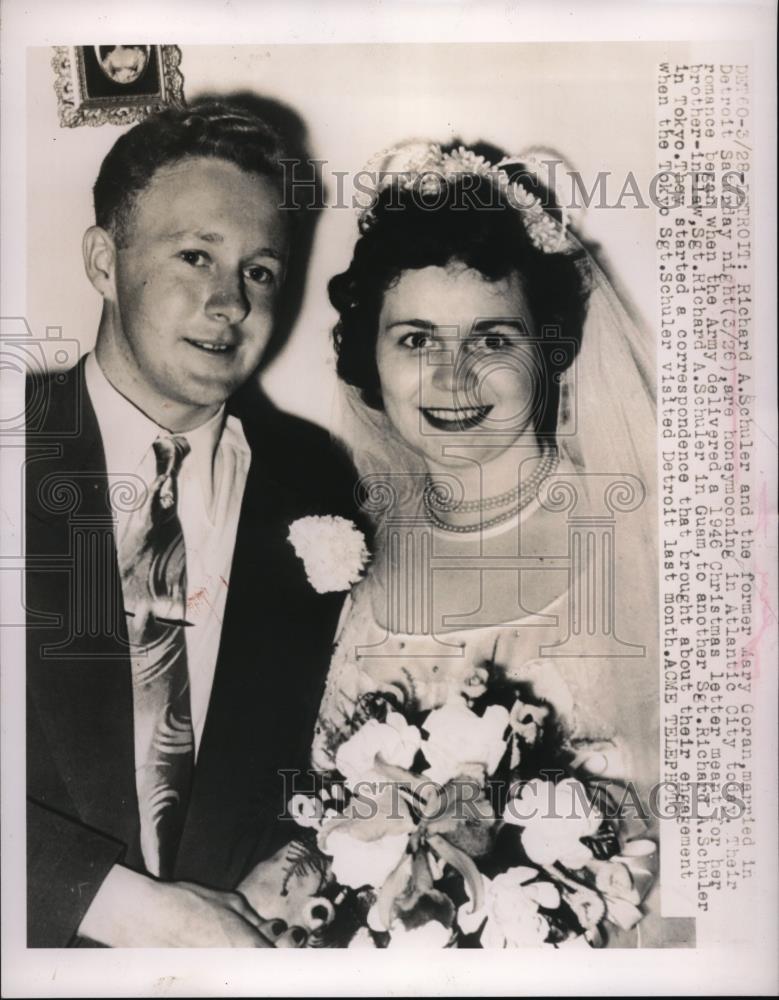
(176, 651)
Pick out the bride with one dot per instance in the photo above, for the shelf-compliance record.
(503, 420)
(501, 413)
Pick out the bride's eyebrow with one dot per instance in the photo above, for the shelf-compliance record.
(513, 323)
(418, 324)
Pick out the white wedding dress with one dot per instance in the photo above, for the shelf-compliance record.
(606, 705)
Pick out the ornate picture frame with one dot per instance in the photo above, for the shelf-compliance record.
(115, 84)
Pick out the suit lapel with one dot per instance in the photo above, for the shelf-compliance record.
(274, 652)
(227, 761)
(78, 666)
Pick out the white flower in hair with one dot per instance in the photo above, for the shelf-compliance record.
(406, 163)
(332, 549)
(413, 158)
(551, 169)
(465, 161)
(424, 167)
(546, 234)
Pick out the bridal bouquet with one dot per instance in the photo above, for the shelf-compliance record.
(465, 825)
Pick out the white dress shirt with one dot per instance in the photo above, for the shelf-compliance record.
(211, 484)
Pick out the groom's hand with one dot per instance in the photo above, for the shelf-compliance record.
(131, 910)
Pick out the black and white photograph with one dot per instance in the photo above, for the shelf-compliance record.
(389, 452)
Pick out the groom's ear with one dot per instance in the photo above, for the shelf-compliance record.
(99, 251)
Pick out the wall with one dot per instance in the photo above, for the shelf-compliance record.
(581, 100)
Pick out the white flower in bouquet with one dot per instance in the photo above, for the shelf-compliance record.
(614, 880)
(601, 759)
(527, 721)
(367, 841)
(362, 939)
(459, 740)
(359, 862)
(332, 549)
(428, 935)
(511, 902)
(421, 918)
(306, 810)
(554, 818)
(395, 741)
(574, 941)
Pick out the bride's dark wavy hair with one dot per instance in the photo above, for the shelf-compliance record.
(468, 222)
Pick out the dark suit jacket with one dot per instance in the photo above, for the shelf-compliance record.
(275, 646)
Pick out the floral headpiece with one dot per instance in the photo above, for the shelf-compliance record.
(426, 169)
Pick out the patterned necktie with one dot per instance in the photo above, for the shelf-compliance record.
(154, 583)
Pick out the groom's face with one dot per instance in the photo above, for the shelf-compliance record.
(197, 281)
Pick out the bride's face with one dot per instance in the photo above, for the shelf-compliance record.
(457, 363)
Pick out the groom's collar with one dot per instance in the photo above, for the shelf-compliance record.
(128, 434)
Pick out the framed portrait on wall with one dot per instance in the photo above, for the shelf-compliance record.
(116, 84)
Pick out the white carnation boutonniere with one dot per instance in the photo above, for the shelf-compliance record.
(332, 549)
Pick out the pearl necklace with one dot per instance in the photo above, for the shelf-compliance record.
(523, 494)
